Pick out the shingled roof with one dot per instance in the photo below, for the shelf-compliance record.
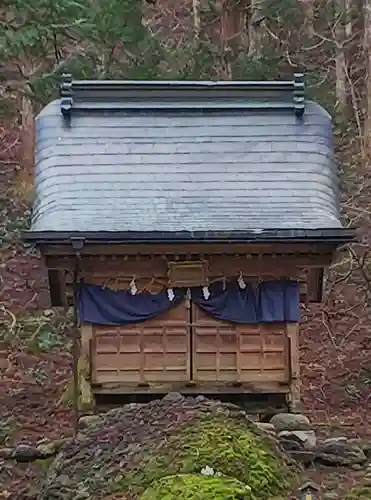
(184, 158)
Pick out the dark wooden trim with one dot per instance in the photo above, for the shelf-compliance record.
(190, 249)
(217, 263)
(315, 284)
(57, 288)
(202, 388)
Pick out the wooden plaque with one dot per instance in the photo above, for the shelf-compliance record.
(187, 274)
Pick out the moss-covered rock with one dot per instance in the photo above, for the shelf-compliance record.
(229, 447)
(136, 446)
(195, 486)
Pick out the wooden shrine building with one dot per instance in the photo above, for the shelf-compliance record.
(186, 221)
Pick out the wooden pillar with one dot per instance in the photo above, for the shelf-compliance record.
(292, 332)
(86, 399)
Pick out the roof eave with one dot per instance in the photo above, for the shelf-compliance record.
(336, 237)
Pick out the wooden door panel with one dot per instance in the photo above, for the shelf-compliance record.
(229, 352)
(155, 351)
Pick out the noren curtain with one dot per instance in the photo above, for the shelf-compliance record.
(99, 305)
(268, 302)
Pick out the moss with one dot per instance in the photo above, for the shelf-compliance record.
(228, 446)
(44, 464)
(85, 399)
(196, 486)
(66, 398)
(359, 493)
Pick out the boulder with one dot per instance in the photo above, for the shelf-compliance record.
(357, 466)
(304, 457)
(48, 313)
(181, 444)
(332, 440)
(89, 420)
(173, 397)
(24, 453)
(339, 453)
(49, 448)
(290, 422)
(364, 444)
(266, 427)
(291, 444)
(307, 439)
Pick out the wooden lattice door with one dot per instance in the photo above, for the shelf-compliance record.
(155, 352)
(225, 352)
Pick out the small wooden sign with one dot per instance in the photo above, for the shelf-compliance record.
(187, 274)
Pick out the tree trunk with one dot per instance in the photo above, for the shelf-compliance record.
(225, 39)
(348, 18)
(27, 127)
(308, 8)
(256, 29)
(26, 174)
(196, 10)
(239, 13)
(340, 59)
(233, 36)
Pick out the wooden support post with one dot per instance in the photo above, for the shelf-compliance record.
(292, 331)
(86, 400)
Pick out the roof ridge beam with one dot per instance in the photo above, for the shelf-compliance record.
(132, 95)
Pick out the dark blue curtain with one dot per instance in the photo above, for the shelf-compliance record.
(278, 301)
(229, 303)
(271, 301)
(101, 306)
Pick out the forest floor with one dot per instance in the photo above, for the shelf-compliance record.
(35, 364)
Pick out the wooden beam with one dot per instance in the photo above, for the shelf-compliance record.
(307, 268)
(188, 249)
(218, 264)
(199, 388)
